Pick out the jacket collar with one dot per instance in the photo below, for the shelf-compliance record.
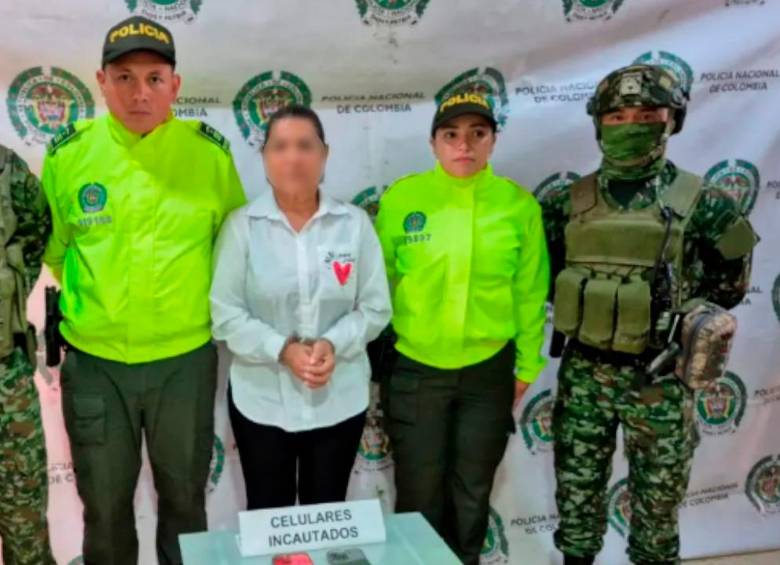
(265, 206)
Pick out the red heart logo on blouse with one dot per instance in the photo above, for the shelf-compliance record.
(342, 271)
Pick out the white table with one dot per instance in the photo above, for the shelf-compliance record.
(410, 540)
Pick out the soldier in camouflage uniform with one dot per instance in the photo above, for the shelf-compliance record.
(25, 225)
(609, 236)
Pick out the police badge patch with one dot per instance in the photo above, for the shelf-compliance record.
(93, 198)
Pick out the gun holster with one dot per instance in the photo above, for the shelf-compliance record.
(382, 354)
(52, 335)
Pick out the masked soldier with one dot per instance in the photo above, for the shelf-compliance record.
(632, 246)
(25, 224)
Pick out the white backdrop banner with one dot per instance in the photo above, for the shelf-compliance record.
(374, 69)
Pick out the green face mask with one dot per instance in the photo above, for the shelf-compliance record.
(632, 143)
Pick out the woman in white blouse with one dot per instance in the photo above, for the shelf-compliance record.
(299, 289)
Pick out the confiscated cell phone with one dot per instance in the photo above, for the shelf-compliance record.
(292, 559)
(352, 556)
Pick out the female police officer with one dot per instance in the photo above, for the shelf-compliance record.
(467, 261)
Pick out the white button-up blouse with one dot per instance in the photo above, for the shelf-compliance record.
(270, 283)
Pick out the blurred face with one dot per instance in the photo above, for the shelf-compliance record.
(638, 115)
(294, 156)
(139, 89)
(464, 145)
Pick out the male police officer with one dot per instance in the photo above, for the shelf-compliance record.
(137, 198)
(631, 245)
(25, 224)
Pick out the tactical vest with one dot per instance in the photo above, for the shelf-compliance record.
(603, 296)
(13, 287)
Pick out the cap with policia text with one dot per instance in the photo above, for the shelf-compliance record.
(138, 34)
(460, 104)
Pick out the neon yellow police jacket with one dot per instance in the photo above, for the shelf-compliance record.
(134, 221)
(468, 268)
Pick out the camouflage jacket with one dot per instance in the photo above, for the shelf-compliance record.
(705, 272)
(32, 213)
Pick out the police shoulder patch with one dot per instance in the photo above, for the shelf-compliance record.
(214, 136)
(64, 136)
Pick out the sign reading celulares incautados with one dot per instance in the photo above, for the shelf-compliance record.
(319, 526)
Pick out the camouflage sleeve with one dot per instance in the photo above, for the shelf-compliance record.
(555, 216)
(721, 279)
(33, 218)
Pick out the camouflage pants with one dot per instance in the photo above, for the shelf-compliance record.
(23, 476)
(657, 419)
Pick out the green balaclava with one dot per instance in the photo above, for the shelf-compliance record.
(636, 151)
(633, 151)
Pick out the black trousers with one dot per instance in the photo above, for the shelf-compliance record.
(448, 430)
(108, 408)
(281, 467)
